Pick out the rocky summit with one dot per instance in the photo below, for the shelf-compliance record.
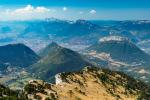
(89, 84)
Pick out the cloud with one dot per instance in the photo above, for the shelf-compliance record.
(92, 11)
(29, 9)
(41, 10)
(65, 8)
(28, 12)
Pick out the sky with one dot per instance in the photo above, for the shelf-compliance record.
(75, 9)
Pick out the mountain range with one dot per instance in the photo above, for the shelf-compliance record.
(114, 52)
(114, 45)
(83, 32)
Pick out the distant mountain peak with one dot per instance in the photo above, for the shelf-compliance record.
(53, 44)
(81, 21)
(84, 22)
(113, 38)
(52, 19)
(49, 48)
(58, 20)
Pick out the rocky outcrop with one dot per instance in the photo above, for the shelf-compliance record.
(58, 79)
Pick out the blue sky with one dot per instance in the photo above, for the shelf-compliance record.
(82, 3)
(75, 9)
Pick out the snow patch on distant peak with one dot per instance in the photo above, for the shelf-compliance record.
(113, 38)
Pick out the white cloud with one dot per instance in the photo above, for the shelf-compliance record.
(29, 9)
(28, 12)
(65, 8)
(93, 11)
(41, 10)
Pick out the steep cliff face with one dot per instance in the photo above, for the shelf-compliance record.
(90, 84)
(120, 49)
